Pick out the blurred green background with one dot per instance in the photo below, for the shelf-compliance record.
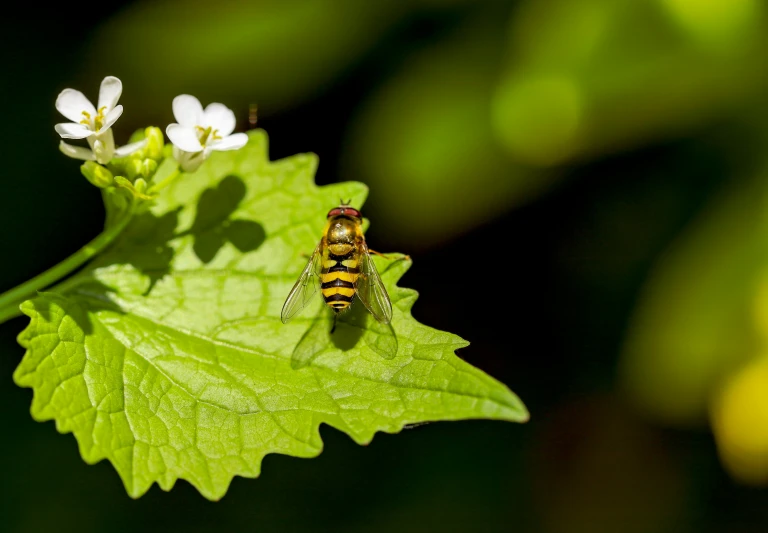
(593, 172)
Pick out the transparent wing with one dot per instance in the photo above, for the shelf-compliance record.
(304, 289)
(370, 289)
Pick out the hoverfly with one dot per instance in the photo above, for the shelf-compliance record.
(341, 266)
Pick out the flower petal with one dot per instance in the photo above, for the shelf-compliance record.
(76, 152)
(130, 148)
(111, 118)
(233, 142)
(70, 130)
(109, 93)
(188, 110)
(220, 117)
(184, 138)
(103, 146)
(72, 103)
(189, 162)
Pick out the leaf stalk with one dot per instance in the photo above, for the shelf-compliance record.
(12, 298)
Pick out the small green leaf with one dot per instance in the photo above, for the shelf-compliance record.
(169, 357)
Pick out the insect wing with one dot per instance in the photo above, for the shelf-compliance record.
(304, 289)
(370, 289)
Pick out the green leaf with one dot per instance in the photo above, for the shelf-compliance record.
(168, 357)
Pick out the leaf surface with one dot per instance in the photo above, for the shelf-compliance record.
(168, 357)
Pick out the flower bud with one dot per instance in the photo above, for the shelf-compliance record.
(138, 189)
(140, 185)
(132, 168)
(155, 143)
(148, 168)
(123, 182)
(97, 174)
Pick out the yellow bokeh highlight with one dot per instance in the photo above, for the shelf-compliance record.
(714, 20)
(740, 423)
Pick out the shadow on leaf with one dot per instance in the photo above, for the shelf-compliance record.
(148, 241)
(314, 341)
(93, 292)
(354, 325)
(152, 253)
(213, 225)
(357, 322)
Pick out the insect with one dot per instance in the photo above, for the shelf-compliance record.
(341, 266)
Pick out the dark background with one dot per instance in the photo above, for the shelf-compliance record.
(555, 266)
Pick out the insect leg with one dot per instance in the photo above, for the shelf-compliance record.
(385, 256)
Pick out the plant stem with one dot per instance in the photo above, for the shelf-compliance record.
(166, 181)
(11, 299)
(9, 312)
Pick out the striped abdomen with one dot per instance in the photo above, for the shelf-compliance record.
(338, 277)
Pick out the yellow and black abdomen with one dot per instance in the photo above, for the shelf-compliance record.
(338, 277)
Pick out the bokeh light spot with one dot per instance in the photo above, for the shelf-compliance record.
(740, 423)
(714, 20)
(538, 119)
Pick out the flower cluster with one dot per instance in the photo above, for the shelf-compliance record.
(196, 133)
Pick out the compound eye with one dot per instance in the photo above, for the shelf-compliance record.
(335, 212)
(349, 211)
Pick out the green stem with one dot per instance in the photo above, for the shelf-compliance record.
(11, 299)
(163, 184)
(9, 313)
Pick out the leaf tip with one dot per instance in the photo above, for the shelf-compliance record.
(514, 409)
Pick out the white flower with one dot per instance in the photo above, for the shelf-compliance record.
(92, 124)
(200, 131)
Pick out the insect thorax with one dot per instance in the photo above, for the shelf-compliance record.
(342, 234)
